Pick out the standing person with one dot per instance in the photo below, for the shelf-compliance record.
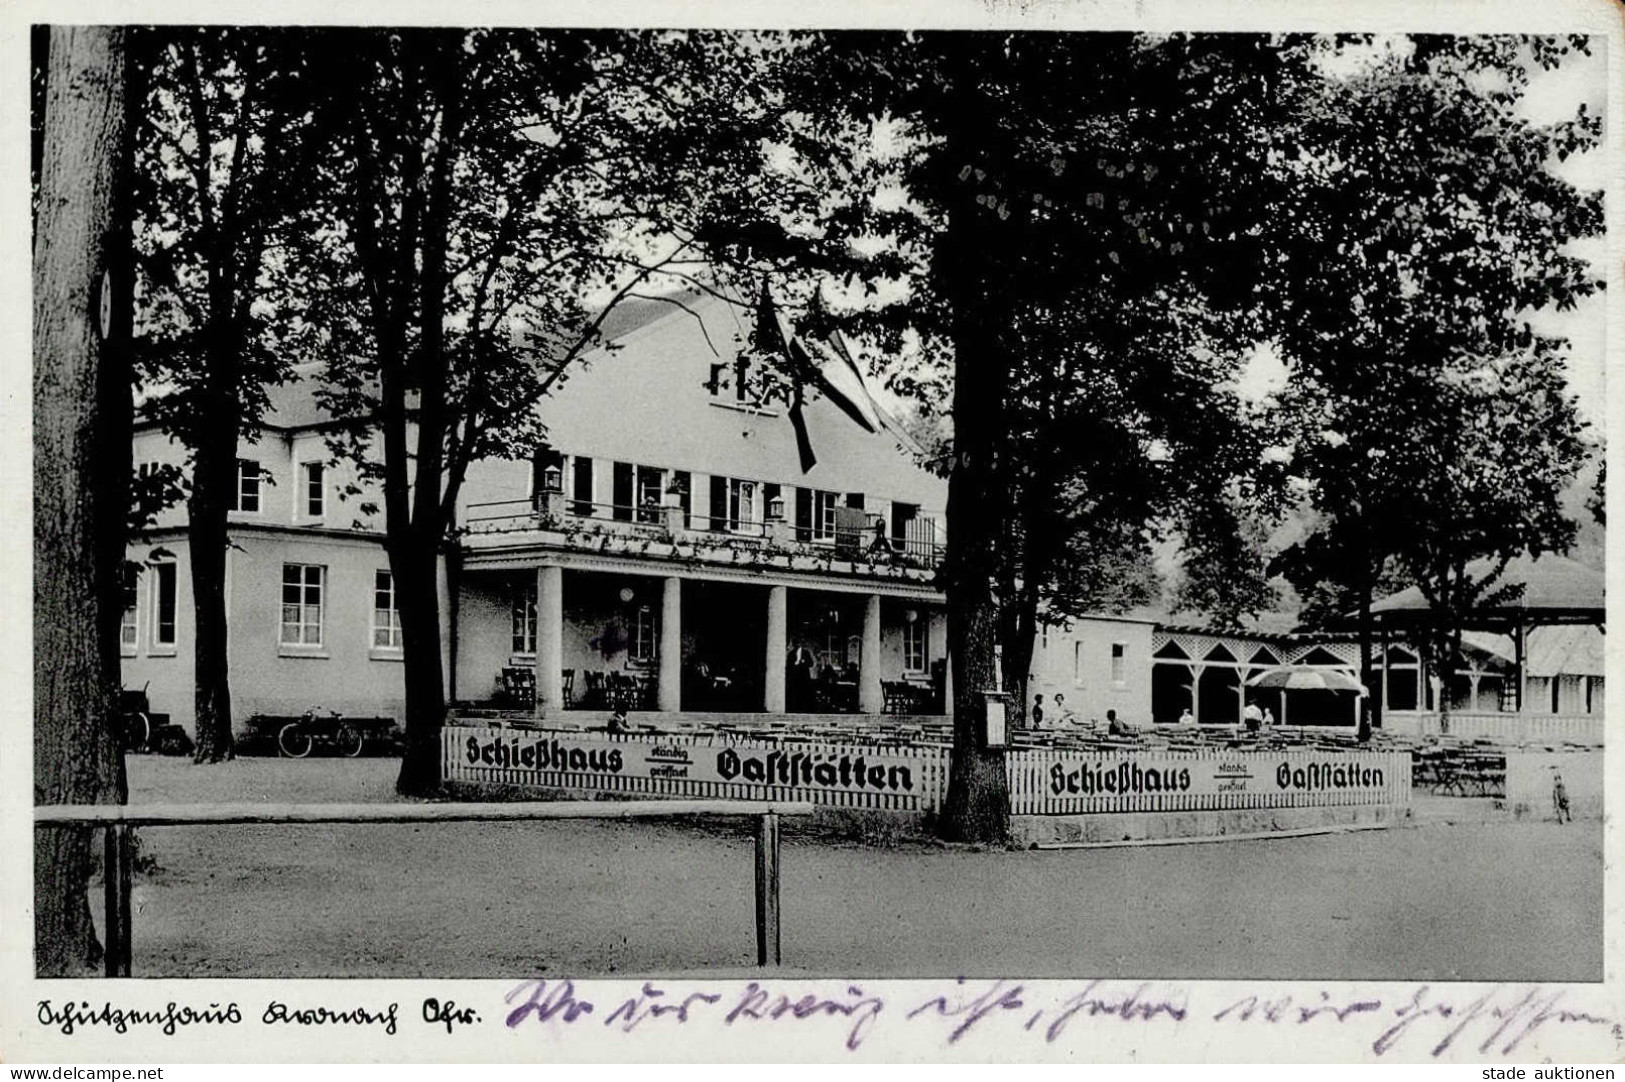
(1269, 718)
(1038, 712)
(1252, 718)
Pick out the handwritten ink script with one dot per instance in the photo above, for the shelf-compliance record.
(1499, 1021)
(73, 1016)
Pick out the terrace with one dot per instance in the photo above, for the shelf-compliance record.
(852, 543)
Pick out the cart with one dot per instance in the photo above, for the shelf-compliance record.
(144, 730)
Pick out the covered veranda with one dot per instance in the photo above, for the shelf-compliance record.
(1527, 658)
(1211, 675)
(565, 634)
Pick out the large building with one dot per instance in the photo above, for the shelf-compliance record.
(688, 545)
(684, 546)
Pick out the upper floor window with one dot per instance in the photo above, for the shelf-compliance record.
(651, 493)
(249, 476)
(386, 618)
(823, 516)
(163, 620)
(128, 626)
(302, 589)
(744, 509)
(1119, 662)
(315, 489)
(914, 644)
(581, 485)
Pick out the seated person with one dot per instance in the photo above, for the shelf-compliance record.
(1187, 718)
(617, 721)
(1252, 718)
(1063, 715)
(1116, 727)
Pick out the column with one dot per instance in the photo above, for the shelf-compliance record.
(1519, 643)
(870, 699)
(446, 608)
(668, 691)
(549, 641)
(778, 648)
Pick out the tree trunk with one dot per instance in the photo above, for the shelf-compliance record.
(418, 557)
(417, 594)
(1018, 654)
(81, 472)
(214, 480)
(977, 806)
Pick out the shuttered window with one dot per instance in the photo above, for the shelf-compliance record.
(622, 491)
(719, 503)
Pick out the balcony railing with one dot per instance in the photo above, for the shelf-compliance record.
(669, 523)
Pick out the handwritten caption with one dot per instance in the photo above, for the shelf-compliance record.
(1500, 1020)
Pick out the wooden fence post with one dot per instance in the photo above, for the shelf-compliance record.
(767, 890)
(116, 870)
(111, 922)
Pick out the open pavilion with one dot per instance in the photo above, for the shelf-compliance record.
(1551, 631)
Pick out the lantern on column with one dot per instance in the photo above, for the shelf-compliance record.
(775, 509)
(552, 478)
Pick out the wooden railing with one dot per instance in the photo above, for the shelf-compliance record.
(1509, 728)
(117, 820)
(918, 548)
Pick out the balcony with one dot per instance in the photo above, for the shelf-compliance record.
(856, 543)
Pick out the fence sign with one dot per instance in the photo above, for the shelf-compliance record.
(915, 778)
(698, 766)
(1059, 783)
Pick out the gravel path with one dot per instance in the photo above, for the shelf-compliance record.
(1457, 897)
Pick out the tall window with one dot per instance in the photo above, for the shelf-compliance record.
(1077, 663)
(651, 493)
(302, 604)
(914, 644)
(128, 628)
(581, 485)
(315, 489)
(823, 510)
(386, 618)
(642, 646)
(248, 485)
(743, 513)
(1119, 676)
(1557, 694)
(524, 619)
(163, 620)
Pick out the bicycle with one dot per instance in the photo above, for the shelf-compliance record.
(135, 720)
(296, 739)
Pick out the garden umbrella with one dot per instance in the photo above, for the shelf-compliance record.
(1306, 680)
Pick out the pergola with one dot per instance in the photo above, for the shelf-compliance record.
(1556, 591)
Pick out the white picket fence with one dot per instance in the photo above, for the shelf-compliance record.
(913, 778)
